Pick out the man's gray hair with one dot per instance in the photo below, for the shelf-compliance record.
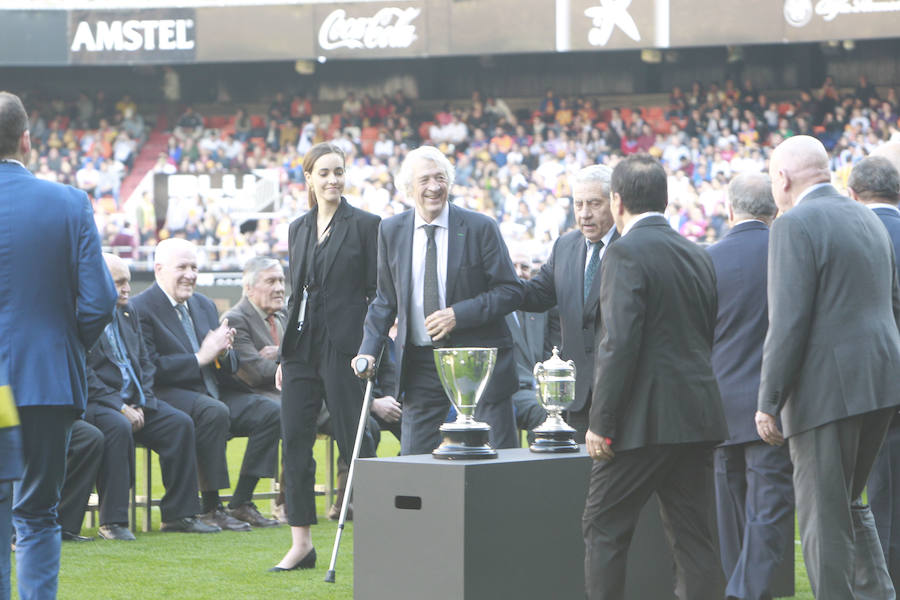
(751, 194)
(595, 174)
(875, 177)
(255, 266)
(404, 177)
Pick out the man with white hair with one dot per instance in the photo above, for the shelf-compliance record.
(830, 363)
(570, 280)
(193, 355)
(444, 272)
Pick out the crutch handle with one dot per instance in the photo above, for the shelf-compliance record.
(361, 365)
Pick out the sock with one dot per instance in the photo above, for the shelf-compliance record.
(243, 491)
(210, 500)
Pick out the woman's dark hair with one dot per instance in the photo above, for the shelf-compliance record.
(309, 161)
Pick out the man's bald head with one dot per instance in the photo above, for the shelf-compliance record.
(796, 164)
(891, 151)
(121, 277)
(175, 267)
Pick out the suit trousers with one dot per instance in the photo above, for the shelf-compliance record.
(45, 437)
(425, 408)
(6, 495)
(840, 545)
(884, 498)
(82, 465)
(168, 432)
(755, 513)
(258, 418)
(680, 474)
(305, 384)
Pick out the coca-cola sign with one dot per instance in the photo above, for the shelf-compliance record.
(389, 27)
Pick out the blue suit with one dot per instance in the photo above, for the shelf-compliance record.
(884, 480)
(754, 493)
(56, 296)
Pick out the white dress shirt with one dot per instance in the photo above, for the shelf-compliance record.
(641, 217)
(418, 335)
(589, 247)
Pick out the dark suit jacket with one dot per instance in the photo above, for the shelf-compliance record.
(891, 220)
(740, 263)
(560, 283)
(528, 344)
(104, 376)
(56, 294)
(251, 335)
(350, 274)
(653, 379)
(833, 348)
(168, 346)
(481, 287)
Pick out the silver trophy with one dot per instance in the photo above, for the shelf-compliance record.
(464, 373)
(556, 390)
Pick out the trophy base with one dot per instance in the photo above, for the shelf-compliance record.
(554, 442)
(465, 443)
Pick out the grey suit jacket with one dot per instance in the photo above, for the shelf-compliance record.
(252, 335)
(833, 348)
(560, 282)
(528, 344)
(481, 287)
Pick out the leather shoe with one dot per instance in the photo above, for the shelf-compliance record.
(68, 536)
(307, 562)
(114, 531)
(189, 525)
(279, 513)
(334, 513)
(221, 519)
(248, 513)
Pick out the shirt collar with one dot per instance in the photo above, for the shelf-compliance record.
(262, 314)
(12, 161)
(641, 217)
(892, 207)
(442, 220)
(171, 299)
(605, 239)
(809, 191)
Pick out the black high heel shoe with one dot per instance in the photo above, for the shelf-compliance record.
(307, 562)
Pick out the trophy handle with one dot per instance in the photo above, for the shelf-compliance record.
(538, 371)
(571, 363)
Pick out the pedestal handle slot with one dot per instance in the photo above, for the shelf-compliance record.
(408, 502)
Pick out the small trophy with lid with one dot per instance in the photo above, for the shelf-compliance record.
(556, 390)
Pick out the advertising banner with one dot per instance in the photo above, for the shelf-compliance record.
(371, 29)
(132, 36)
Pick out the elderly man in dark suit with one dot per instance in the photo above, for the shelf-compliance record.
(444, 272)
(55, 298)
(193, 356)
(875, 183)
(754, 495)
(656, 412)
(570, 281)
(830, 364)
(122, 404)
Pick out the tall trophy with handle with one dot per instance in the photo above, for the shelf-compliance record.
(464, 373)
(556, 390)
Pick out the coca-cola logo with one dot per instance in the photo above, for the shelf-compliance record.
(388, 28)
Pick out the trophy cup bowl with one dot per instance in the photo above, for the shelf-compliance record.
(556, 390)
(464, 373)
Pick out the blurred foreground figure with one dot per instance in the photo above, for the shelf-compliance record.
(56, 296)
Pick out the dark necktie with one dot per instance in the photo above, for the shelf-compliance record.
(592, 268)
(431, 299)
(273, 329)
(209, 381)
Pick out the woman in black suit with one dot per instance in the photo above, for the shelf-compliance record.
(333, 258)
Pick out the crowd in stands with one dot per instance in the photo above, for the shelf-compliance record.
(513, 165)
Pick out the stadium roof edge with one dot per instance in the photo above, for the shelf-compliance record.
(116, 4)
